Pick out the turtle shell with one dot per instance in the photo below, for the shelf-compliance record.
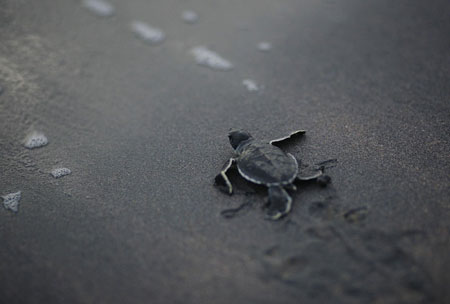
(263, 163)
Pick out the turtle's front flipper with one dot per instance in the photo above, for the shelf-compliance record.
(222, 181)
(280, 203)
(284, 140)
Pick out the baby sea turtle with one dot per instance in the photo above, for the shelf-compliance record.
(264, 163)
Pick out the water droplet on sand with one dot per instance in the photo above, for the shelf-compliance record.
(264, 46)
(250, 85)
(11, 201)
(99, 7)
(204, 56)
(35, 140)
(60, 172)
(147, 33)
(189, 16)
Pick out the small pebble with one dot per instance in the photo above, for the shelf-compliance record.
(99, 7)
(264, 46)
(35, 140)
(189, 16)
(148, 33)
(60, 172)
(11, 201)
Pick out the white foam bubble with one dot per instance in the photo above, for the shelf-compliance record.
(11, 201)
(250, 85)
(99, 7)
(147, 32)
(189, 16)
(35, 140)
(264, 46)
(204, 56)
(60, 172)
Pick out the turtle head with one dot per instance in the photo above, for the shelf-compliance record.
(237, 136)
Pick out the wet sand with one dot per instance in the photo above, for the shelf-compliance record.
(143, 128)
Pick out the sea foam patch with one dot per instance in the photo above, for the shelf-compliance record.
(11, 201)
(250, 85)
(189, 16)
(60, 172)
(35, 140)
(147, 33)
(206, 57)
(264, 46)
(99, 7)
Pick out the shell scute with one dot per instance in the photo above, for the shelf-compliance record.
(263, 163)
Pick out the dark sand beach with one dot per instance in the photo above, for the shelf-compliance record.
(143, 129)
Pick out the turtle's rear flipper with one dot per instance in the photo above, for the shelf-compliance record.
(307, 175)
(285, 140)
(280, 203)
